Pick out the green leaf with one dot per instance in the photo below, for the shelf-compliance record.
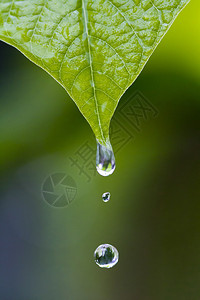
(94, 48)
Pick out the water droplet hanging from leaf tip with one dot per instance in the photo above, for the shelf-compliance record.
(105, 160)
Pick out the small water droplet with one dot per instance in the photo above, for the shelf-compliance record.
(106, 256)
(106, 197)
(105, 160)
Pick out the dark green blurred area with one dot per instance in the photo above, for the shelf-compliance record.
(153, 217)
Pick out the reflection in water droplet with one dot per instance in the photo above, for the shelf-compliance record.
(106, 256)
(106, 197)
(105, 160)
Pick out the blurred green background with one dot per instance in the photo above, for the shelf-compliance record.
(153, 217)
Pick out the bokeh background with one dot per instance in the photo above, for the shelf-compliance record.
(153, 217)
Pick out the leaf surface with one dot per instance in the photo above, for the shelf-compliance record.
(94, 48)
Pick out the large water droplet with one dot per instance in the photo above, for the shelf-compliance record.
(106, 197)
(105, 160)
(106, 256)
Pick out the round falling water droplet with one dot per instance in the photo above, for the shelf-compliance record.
(105, 160)
(106, 197)
(106, 256)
